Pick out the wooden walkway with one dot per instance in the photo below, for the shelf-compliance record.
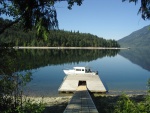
(81, 102)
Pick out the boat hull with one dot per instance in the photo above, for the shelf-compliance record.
(71, 72)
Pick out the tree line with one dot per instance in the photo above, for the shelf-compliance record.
(42, 15)
(15, 36)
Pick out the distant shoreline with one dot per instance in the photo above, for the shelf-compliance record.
(21, 47)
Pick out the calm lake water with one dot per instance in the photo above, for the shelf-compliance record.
(127, 71)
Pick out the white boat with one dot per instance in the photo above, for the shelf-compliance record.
(80, 70)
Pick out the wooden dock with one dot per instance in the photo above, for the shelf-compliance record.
(92, 82)
(81, 102)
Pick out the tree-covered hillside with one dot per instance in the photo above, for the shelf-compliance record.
(15, 36)
(139, 38)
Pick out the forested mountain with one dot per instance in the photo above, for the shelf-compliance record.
(139, 38)
(15, 36)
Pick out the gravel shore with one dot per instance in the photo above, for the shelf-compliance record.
(53, 104)
(103, 103)
(50, 100)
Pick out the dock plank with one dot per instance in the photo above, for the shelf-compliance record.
(81, 102)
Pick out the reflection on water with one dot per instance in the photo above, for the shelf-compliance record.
(117, 73)
(139, 56)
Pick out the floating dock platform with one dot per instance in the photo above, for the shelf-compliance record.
(92, 82)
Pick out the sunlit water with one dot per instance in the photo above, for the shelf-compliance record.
(118, 74)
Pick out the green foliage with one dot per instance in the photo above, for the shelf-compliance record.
(144, 8)
(24, 79)
(144, 106)
(71, 3)
(126, 105)
(30, 107)
(11, 87)
(148, 85)
(33, 13)
(12, 84)
(16, 37)
(26, 107)
(42, 13)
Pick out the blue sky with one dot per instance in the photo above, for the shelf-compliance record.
(110, 19)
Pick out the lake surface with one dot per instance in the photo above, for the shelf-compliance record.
(119, 72)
